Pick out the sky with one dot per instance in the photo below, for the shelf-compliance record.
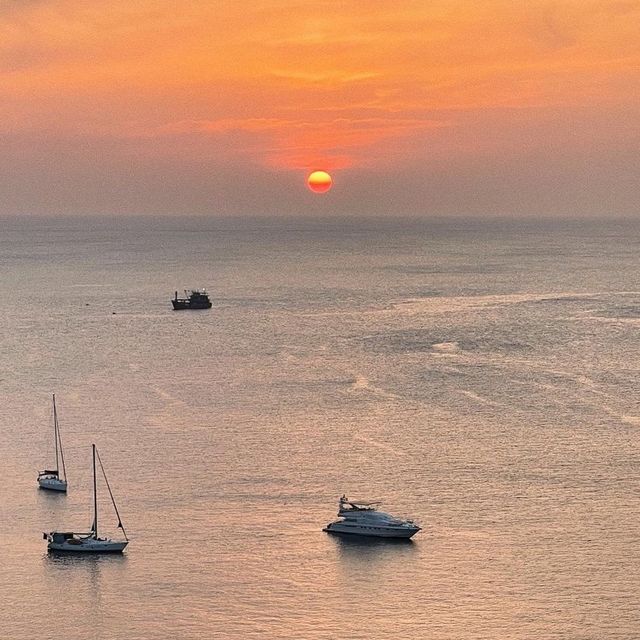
(415, 108)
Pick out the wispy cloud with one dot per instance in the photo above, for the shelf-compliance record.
(300, 144)
(289, 84)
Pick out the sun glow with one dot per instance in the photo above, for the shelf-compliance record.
(486, 105)
(319, 181)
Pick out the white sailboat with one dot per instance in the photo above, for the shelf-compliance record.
(50, 478)
(67, 541)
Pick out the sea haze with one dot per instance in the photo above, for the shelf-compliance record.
(480, 377)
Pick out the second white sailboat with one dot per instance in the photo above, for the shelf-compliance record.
(50, 479)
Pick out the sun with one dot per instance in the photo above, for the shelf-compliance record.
(319, 181)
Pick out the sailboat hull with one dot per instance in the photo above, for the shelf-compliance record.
(88, 546)
(52, 484)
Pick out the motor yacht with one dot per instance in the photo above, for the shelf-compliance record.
(363, 519)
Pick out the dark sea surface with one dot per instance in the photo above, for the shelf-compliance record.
(480, 377)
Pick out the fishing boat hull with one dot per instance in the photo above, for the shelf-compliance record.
(52, 484)
(180, 305)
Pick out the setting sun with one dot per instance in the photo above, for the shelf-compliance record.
(319, 182)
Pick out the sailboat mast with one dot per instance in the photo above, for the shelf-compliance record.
(55, 428)
(95, 495)
(64, 468)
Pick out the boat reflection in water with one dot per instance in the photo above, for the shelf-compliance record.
(363, 519)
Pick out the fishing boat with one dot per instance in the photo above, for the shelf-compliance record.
(194, 299)
(50, 478)
(91, 542)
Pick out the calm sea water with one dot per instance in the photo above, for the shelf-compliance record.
(479, 377)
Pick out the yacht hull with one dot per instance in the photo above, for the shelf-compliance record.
(338, 528)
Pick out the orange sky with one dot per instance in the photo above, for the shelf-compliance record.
(431, 107)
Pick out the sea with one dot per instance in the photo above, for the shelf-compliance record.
(480, 377)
